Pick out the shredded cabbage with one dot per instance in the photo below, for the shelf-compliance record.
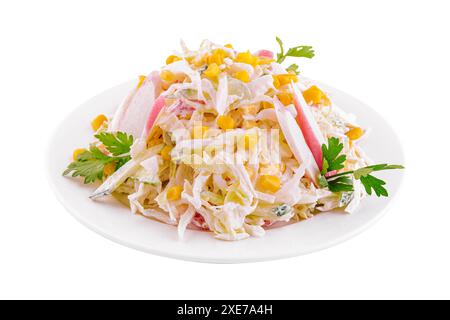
(232, 147)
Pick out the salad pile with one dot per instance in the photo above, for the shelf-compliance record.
(231, 142)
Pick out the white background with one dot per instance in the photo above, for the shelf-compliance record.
(394, 55)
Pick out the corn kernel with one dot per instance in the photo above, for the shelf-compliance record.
(109, 169)
(285, 98)
(172, 59)
(141, 81)
(167, 76)
(242, 75)
(190, 60)
(199, 132)
(269, 183)
(217, 57)
(77, 152)
(246, 57)
(225, 122)
(251, 140)
(212, 72)
(354, 133)
(165, 152)
(266, 105)
(174, 193)
(229, 46)
(276, 82)
(286, 78)
(98, 122)
(314, 95)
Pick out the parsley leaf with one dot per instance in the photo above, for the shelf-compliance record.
(370, 182)
(341, 184)
(299, 51)
(378, 167)
(91, 170)
(281, 54)
(331, 158)
(118, 144)
(91, 164)
(293, 67)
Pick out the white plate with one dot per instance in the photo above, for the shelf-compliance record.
(114, 221)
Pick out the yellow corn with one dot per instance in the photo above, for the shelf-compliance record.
(109, 169)
(225, 122)
(199, 132)
(269, 183)
(266, 105)
(141, 81)
(172, 59)
(167, 76)
(229, 46)
(314, 95)
(246, 57)
(354, 133)
(285, 98)
(251, 140)
(212, 72)
(217, 57)
(286, 78)
(276, 82)
(242, 75)
(165, 152)
(98, 122)
(77, 152)
(174, 193)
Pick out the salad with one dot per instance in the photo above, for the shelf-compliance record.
(231, 142)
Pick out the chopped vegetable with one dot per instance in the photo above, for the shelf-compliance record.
(174, 193)
(91, 163)
(77, 152)
(343, 181)
(269, 183)
(282, 210)
(242, 75)
(98, 122)
(172, 59)
(212, 72)
(354, 133)
(299, 51)
(225, 122)
(313, 95)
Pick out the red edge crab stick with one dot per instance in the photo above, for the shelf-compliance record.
(310, 129)
(296, 140)
(135, 112)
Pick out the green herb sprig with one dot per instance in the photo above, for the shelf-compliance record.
(298, 52)
(91, 164)
(333, 160)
